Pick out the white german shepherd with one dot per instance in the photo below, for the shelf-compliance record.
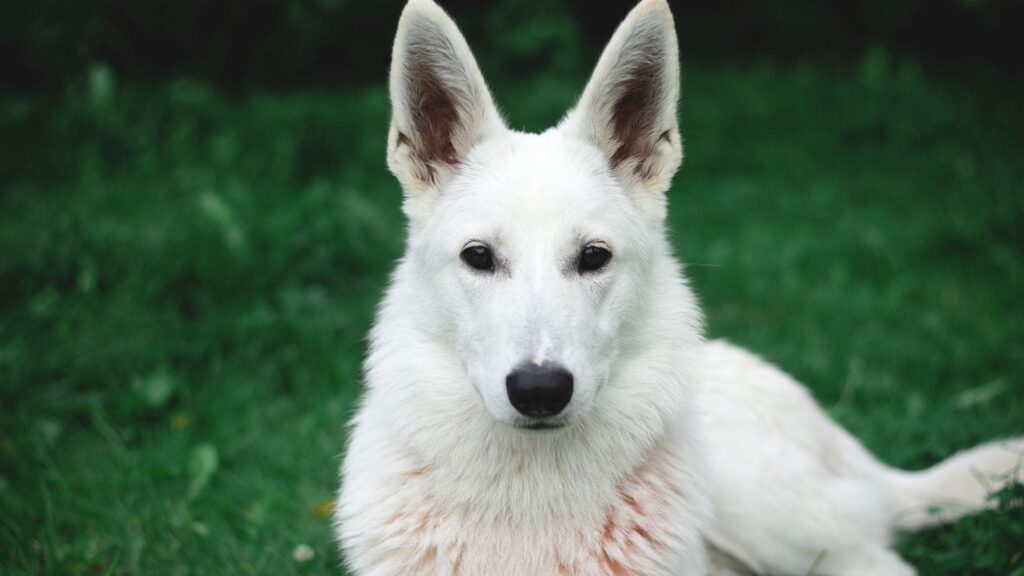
(539, 397)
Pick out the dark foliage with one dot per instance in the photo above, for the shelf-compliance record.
(273, 42)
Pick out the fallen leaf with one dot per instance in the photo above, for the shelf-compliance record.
(323, 509)
(303, 553)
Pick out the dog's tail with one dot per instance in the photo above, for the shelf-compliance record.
(956, 486)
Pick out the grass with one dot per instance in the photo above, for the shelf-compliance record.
(186, 277)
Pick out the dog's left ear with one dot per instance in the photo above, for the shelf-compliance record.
(628, 109)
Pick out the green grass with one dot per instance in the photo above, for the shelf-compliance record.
(186, 277)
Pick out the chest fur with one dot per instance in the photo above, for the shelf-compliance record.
(646, 525)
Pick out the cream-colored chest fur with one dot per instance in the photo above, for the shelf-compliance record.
(414, 527)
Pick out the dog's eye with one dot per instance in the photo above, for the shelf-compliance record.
(478, 257)
(593, 258)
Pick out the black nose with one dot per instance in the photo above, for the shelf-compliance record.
(539, 391)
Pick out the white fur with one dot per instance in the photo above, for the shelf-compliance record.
(670, 443)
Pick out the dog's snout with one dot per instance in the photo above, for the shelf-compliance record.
(539, 391)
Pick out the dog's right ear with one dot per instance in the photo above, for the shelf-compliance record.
(441, 107)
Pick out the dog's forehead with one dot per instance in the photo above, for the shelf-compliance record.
(537, 192)
(540, 174)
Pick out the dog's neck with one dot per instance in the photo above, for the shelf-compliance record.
(514, 477)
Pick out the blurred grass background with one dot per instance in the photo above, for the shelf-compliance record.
(196, 222)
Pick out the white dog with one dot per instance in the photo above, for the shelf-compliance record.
(539, 398)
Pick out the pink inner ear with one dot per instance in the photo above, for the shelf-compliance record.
(450, 156)
(633, 117)
(435, 115)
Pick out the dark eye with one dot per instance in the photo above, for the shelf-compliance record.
(478, 257)
(593, 258)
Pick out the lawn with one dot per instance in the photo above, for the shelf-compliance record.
(187, 275)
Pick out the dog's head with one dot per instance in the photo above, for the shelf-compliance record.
(534, 250)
